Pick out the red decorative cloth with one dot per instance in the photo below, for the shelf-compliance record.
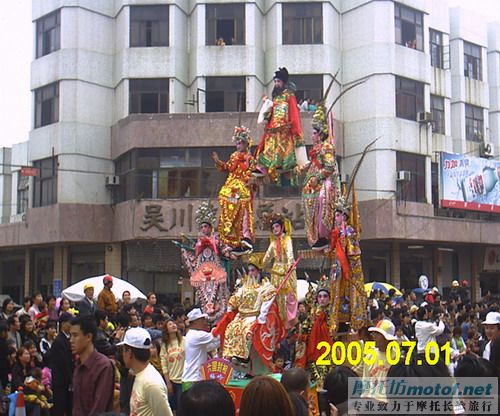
(336, 243)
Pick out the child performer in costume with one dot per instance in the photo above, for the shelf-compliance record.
(321, 183)
(236, 226)
(282, 147)
(203, 263)
(278, 260)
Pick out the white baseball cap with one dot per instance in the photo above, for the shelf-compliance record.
(492, 318)
(386, 328)
(196, 314)
(137, 338)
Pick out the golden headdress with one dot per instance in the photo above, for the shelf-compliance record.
(273, 218)
(319, 121)
(255, 259)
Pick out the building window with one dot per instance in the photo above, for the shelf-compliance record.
(225, 94)
(414, 189)
(148, 95)
(149, 26)
(436, 48)
(45, 184)
(47, 105)
(409, 27)
(22, 192)
(225, 24)
(308, 86)
(48, 34)
(409, 98)
(437, 110)
(472, 61)
(302, 23)
(474, 123)
(170, 173)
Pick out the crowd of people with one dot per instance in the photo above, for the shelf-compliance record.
(113, 355)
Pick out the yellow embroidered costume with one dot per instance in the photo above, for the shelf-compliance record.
(236, 196)
(278, 259)
(252, 302)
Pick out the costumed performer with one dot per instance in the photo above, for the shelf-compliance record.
(282, 146)
(278, 260)
(349, 304)
(321, 183)
(236, 226)
(251, 301)
(314, 329)
(203, 263)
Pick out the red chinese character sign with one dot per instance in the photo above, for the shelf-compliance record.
(217, 369)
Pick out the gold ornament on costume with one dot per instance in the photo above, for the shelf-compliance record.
(206, 213)
(242, 133)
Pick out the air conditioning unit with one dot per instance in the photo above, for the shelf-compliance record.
(424, 117)
(112, 181)
(487, 150)
(404, 176)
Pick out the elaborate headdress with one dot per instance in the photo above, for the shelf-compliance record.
(205, 214)
(242, 133)
(319, 122)
(276, 218)
(255, 259)
(323, 285)
(282, 74)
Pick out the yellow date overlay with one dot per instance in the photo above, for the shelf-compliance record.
(355, 353)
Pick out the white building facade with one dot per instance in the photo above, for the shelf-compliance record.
(131, 97)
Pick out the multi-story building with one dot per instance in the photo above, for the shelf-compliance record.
(131, 97)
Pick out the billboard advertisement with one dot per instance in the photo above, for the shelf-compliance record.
(470, 183)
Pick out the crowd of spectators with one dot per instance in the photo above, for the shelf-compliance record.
(52, 348)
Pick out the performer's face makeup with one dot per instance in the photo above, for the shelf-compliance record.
(323, 299)
(278, 83)
(339, 218)
(205, 228)
(316, 137)
(241, 145)
(277, 229)
(253, 271)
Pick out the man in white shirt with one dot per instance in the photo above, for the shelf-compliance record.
(149, 393)
(425, 331)
(199, 341)
(491, 330)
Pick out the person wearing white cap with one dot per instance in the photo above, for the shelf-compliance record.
(199, 342)
(149, 393)
(382, 334)
(491, 330)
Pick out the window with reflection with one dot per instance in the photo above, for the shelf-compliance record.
(225, 94)
(148, 95)
(474, 123)
(472, 61)
(149, 25)
(302, 23)
(437, 110)
(170, 173)
(409, 98)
